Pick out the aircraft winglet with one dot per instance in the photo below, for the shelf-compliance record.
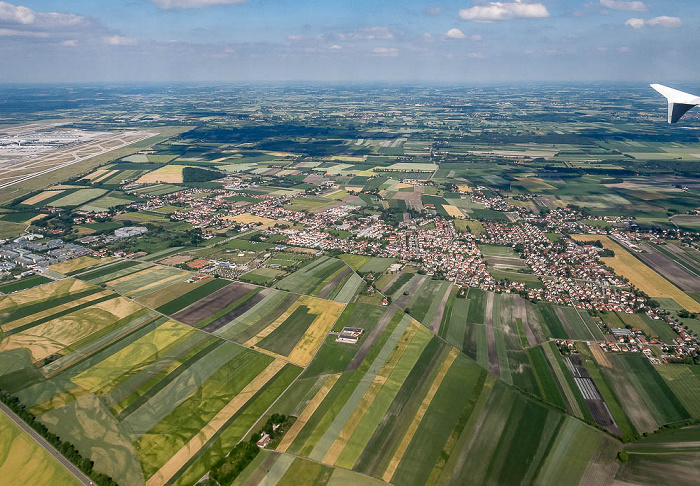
(679, 102)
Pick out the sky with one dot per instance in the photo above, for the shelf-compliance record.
(451, 41)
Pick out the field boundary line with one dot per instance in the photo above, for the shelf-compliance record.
(418, 418)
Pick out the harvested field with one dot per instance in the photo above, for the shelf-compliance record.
(23, 461)
(213, 303)
(169, 173)
(42, 293)
(640, 275)
(176, 260)
(77, 264)
(50, 337)
(246, 218)
(453, 211)
(680, 274)
(42, 196)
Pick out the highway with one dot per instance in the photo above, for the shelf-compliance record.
(48, 447)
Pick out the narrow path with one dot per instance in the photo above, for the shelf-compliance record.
(521, 312)
(437, 318)
(491, 337)
(48, 447)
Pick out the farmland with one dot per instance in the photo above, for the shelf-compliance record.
(495, 349)
(23, 460)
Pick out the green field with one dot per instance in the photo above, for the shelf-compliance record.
(309, 277)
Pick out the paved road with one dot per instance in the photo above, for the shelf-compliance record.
(49, 448)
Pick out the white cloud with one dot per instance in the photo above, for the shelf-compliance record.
(336, 47)
(636, 6)
(663, 21)
(385, 51)
(69, 43)
(119, 40)
(14, 14)
(504, 11)
(185, 4)
(455, 34)
(475, 37)
(635, 23)
(23, 16)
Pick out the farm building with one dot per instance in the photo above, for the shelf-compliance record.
(349, 335)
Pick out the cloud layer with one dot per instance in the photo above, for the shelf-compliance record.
(624, 5)
(663, 21)
(188, 4)
(504, 11)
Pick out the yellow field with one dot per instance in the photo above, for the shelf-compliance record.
(338, 195)
(368, 172)
(95, 174)
(327, 313)
(354, 189)
(181, 457)
(403, 185)
(78, 264)
(41, 197)
(53, 336)
(106, 371)
(53, 310)
(600, 356)
(464, 188)
(247, 218)
(165, 282)
(42, 292)
(307, 413)
(24, 462)
(453, 211)
(106, 176)
(640, 275)
(403, 446)
(137, 275)
(167, 173)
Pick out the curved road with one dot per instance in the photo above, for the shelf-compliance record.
(48, 447)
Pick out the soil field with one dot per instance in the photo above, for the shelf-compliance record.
(213, 303)
(237, 312)
(682, 275)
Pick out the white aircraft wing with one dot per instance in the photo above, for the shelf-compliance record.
(679, 102)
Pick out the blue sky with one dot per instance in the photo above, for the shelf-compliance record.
(462, 41)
